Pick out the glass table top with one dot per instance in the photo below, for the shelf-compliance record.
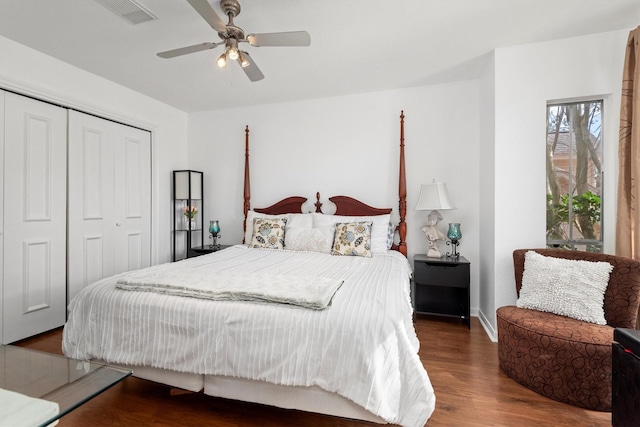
(49, 378)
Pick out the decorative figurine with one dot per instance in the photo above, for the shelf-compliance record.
(433, 234)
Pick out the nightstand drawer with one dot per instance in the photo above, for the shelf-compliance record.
(441, 274)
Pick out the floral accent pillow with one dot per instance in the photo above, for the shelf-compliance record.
(379, 226)
(352, 238)
(268, 233)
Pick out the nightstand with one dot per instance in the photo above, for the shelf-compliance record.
(441, 287)
(206, 249)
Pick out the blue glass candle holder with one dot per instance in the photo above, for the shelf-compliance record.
(454, 235)
(214, 229)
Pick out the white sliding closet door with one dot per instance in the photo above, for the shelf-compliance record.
(109, 199)
(34, 250)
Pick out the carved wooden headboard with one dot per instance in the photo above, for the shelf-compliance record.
(345, 205)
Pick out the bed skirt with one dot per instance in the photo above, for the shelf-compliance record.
(309, 399)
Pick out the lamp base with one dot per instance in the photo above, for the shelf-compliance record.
(434, 253)
(433, 234)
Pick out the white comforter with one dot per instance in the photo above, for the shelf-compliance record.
(363, 347)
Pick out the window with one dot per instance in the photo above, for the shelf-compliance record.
(574, 175)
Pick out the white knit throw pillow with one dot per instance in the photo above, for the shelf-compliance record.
(309, 239)
(572, 288)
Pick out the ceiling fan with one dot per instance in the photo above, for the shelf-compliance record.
(231, 35)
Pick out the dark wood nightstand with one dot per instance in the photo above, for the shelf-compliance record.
(206, 249)
(441, 287)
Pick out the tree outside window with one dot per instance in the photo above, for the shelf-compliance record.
(574, 175)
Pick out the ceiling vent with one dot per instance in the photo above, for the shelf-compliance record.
(132, 11)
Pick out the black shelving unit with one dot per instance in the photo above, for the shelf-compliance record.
(187, 191)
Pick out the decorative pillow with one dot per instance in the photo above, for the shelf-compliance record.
(268, 233)
(352, 238)
(309, 239)
(572, 288)
(379, 226)
(293, 220)
(391, 235)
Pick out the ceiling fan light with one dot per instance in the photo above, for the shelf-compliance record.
(244, 62)
(222, 61)
(233, 54)
(232, 49)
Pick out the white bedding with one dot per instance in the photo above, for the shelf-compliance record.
(363, 347)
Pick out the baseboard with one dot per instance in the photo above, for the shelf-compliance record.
(488, 328)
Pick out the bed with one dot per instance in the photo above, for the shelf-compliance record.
(353, 355)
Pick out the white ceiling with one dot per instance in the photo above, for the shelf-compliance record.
(356, 45)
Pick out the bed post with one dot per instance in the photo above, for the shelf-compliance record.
(402, 193)
(247, 181)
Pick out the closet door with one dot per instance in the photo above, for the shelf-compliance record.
(34, 250)
(132, 195)
(109, 199)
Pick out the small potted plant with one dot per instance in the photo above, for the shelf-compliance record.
(190, 213)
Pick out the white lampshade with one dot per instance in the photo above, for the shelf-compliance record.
(434, 197)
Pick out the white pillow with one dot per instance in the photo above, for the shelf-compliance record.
(572, 288)
(309, 239)
(293, 220)
(379, 228)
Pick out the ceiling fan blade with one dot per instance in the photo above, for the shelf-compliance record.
(292, 38)
(186, 50)
(206, 11)
(252, 71)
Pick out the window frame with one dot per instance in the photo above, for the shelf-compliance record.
(591, 245)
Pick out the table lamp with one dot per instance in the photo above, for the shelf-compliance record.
(434, 197)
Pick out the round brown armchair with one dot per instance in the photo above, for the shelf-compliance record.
(565, 359)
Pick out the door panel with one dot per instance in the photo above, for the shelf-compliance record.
(34, 276)
(93, 251)
(92, 187)
(133, 200)
(36, 286)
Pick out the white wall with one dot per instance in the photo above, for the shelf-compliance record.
(32, 73)
(526, 78)
(487, 211)
(347, 146)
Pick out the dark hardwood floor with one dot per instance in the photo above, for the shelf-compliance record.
(471, 390)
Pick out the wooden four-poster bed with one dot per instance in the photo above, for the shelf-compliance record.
(355, 357)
